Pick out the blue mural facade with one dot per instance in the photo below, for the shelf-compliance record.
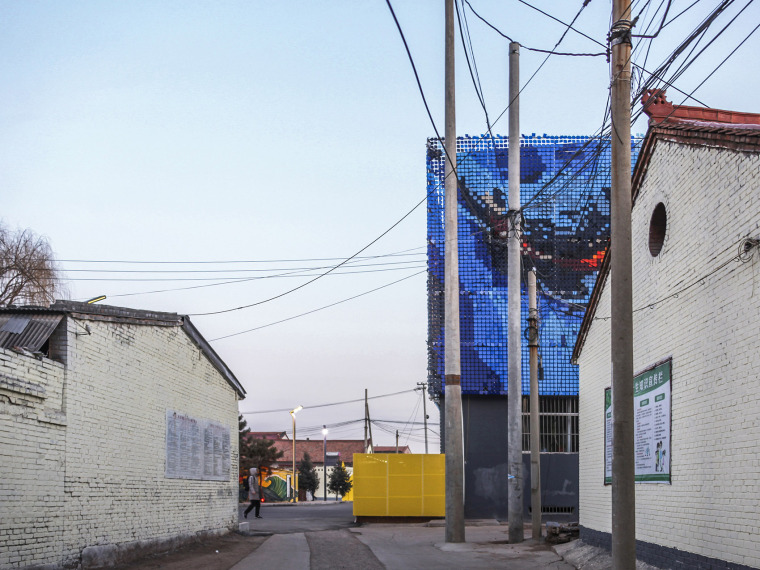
(565, 194)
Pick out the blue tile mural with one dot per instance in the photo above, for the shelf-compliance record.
(565, 194)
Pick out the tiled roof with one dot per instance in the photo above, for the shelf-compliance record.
(346, 448)
(39, 323)
(392, 449)
(686, 125)
(268, 435)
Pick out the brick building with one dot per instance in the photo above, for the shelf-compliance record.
(117, 435)
(696, 299)
(337, 451)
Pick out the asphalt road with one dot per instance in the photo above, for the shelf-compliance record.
(286, 518)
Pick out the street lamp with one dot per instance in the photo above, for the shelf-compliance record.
(293, 480)
(324, 462)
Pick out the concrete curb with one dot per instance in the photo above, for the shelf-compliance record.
(299, 504)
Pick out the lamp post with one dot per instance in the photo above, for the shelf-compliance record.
(293, 480)
(324, 463)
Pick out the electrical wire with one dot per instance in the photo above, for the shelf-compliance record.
(318, 309)
(207, 271)
(401, 253)
(746, 246)
(301, 286)
(331, 403)
(550, 52)
(237, 279)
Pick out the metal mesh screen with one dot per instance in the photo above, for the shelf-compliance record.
(565, 194)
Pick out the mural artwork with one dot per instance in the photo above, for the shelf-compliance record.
(565, 199)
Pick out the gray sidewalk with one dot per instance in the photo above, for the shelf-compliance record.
(397, 547)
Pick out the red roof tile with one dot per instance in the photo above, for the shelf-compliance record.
(392, 449)
(268, 435)
(346, 448)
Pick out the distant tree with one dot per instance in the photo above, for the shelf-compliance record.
(243, 451)
(339, 482)
(254, 452)
(28, 274)
(308, 480)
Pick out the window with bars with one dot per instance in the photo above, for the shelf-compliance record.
(558, 423)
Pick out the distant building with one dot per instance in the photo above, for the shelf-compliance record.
(696, 299)
(392, 449)
(273, 435)
(337, 451)
(117, 435)
(565, 185)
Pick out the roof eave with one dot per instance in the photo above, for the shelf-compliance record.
(642, 163)
(211, 354)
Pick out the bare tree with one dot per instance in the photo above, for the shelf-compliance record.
(28, 274)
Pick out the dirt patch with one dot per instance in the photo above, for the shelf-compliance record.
(209, 554)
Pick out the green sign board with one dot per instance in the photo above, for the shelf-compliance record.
(651, 403)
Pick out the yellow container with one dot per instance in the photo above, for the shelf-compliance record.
(399, 485)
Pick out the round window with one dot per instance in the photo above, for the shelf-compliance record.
(657, 228)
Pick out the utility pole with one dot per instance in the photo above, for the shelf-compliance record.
(535, 424)
(424, 411)
(623, 473)
(514, 388)
(366, 419)
(371, 443)
(396, 442)
(324, 463)
(452, 364)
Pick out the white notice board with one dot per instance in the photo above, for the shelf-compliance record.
(196, 448)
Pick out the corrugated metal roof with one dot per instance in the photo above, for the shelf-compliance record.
(29, 331)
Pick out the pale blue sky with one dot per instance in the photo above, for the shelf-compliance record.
(198, 131)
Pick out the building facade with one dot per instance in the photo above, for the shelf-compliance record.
(117, 435)
(696, 299)
(565, 215)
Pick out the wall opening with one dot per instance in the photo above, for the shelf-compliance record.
(657, 227)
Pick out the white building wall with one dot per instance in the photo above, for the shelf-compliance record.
(124, 377)
(712, 507)
(32, 442)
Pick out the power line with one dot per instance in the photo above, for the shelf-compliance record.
(747, 247)
(402, 253)
(430, 116)
(550, 52)
(331, 403)
(206, 271)
(238, 279)
(242, 280)
(319, 309)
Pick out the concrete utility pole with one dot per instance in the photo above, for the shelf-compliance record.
(535, 424)
(424, 411)
(514, 391)
(366, 419)
(452, 366)
(371, 443)
(623, 473)
(324, 462)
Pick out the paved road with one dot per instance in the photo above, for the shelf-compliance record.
(324, 537)
(287, 519)
(311, 536)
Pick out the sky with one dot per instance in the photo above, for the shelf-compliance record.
(291, 136)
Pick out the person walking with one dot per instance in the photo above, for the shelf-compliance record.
(254, 493)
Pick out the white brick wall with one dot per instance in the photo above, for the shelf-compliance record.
(712, 507)
(32, 443)
(102, 483)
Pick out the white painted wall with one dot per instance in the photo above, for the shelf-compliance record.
(96, 484)
(32, 447)
(712, 333)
